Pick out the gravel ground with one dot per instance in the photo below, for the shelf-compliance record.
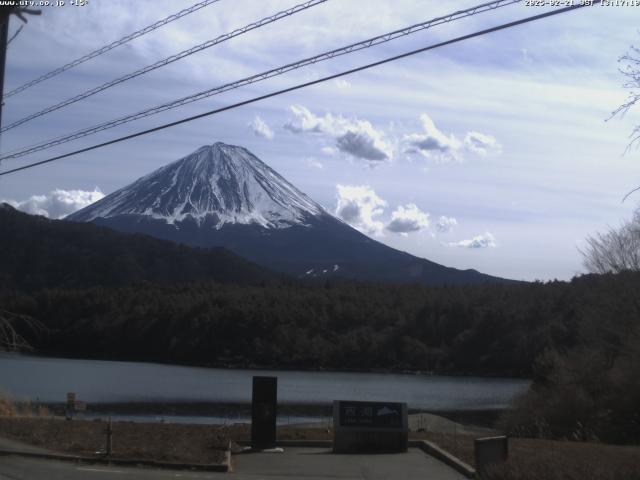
(156, 441)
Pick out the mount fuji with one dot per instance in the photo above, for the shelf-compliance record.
(223, 195)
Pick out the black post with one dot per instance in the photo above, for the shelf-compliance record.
(264, 410)
(109, 433)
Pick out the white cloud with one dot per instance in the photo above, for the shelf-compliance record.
(407, 219)
(484, 240)
(359, 206)
(362, 145)
(58, 203)
(446, 223)
(312, 162)
(260, 128)
(343, 84)
(304, 121)
(358, 138)
(433, 143)
(481, 144)
(329, 151)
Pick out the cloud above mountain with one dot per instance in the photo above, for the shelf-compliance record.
(432, 143)
(484, 240)
(361, 208)
(355, 137)
(445, 224)
(260, 128)
(481, 144)
(313, 163)
(58, 203)
(408, 219)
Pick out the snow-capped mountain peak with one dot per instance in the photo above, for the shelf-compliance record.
(221, 183)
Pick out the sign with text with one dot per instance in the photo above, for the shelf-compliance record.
(369, 426)
(371, 414)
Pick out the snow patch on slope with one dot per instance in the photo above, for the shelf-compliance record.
(223, 183)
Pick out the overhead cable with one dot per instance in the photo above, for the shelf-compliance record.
(387, 37)
(166, 61)
(111, 46)
(301, 85)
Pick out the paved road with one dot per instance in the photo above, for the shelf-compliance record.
(306, 463)
(6, 444)
(321, 464)
(22, 468)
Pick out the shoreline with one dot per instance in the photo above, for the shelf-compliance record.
(480, 417)
(243, 366)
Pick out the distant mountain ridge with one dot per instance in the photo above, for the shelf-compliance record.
(223, 195)
(36, 252)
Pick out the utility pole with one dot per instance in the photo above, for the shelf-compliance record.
(5, 15)
(4, 36)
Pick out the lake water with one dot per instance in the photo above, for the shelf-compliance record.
(49, 380)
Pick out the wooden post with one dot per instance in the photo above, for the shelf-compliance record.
(71, 405)
(109, 432)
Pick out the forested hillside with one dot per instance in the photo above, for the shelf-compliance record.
(490, 329)
(36, 252)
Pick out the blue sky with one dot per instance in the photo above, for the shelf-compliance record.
(491, 154)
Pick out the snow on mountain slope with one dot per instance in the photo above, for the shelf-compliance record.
(221, 182)
(223, 196)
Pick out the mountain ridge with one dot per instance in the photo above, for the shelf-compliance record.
(37, 252)
(223, 195)
(220, 180)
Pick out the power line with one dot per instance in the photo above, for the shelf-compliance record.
(173, 58)
(303, 85)
(387, 37)
(111, 46)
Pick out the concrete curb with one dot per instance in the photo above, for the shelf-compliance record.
(132, 462)
(445, 457)
(305, 443)
(296, 443)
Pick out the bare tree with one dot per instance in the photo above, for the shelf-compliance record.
(629, 66)
(616, 250)
(10, 338)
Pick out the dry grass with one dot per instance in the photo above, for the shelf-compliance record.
(555, 460)
(532, 459)
(157, 441)
(7, 408)
(23, 409)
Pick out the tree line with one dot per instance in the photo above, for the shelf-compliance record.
(485, 329)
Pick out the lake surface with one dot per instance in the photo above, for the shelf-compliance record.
(49, 379)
